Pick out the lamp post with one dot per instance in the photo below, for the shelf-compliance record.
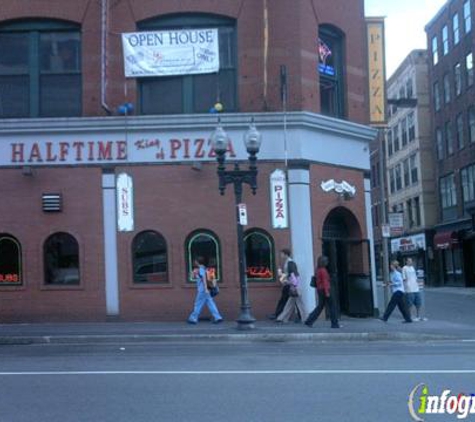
(238, 177)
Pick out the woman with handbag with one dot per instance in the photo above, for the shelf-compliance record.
(324, 294)
(290, 276)
(203, 296)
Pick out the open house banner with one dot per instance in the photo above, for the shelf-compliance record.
(172, 52)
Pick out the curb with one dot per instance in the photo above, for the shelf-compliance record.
(238, 337)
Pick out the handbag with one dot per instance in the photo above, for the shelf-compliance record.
(214, 291)
(293, 292)
(313, 282)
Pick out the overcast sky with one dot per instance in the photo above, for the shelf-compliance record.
(404, 24)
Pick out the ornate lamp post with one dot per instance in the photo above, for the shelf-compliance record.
(238, 177)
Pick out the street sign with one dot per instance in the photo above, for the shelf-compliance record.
(125, 203)
(242, 214)
(386, 230)
(396, 223)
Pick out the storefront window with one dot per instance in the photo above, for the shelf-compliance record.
(259, 249)
(10, 261)
(61, 259)
(149, 254)
(204, 244)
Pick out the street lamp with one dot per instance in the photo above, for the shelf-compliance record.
(238, 177)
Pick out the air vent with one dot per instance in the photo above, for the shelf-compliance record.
(52, 202)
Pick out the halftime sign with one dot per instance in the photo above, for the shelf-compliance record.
(172, 52)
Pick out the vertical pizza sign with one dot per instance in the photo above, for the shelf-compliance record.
(125, 203)
(278, 195)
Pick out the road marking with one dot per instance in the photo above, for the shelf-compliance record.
(257, 372)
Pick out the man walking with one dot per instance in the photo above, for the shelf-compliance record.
(397, 299)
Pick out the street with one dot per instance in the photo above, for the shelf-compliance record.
(226, 381)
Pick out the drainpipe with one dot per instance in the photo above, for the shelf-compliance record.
(104, 38)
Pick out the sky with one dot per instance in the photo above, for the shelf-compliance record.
(404, 25)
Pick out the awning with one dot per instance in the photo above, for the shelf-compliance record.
(445, 240)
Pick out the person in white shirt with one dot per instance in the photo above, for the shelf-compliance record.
(411, 286)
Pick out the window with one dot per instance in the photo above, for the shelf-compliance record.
(445, 40)
(203, 244)
(396, 138)
(467, 16)
(469, 69)
(407, 178)
(436, 96)
(409, 219)
(412, 126)
(468, 183)
(40, 69)
(447, 191)
(193, 93)
(409, 89)
(413, 166)
(460, 140)
(471, 124)
(61, 259)
(440, 144)
(446, 88)
(10, 261)
(403, 124)
(402, 92)
(149, 258)
(392, 180)
(435, 53)
(449, 139)
(458, 79)
(455, 28)
(398, 177)
(390, 142)
(417, 211)
(259, 249)
(330, 69)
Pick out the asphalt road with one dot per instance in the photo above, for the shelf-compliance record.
(242, 382)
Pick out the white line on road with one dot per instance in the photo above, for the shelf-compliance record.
(257, 372)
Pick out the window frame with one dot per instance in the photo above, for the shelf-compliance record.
(445, 40)
(471, 124)
(439, 139)
(12, 283)
(455, 28)
(435, 50)
(447, 89)
(459, 124)
(467, 16)
(270, 240)
(45, 267)
(33, 29)
(469, 72)
(468, 184)
(188, 254)
(449, 138)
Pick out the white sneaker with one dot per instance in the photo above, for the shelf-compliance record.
(424, 319)
(416, 319)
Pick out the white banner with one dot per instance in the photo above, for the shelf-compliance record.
(278, 195)
(172, 52)
(125, 203)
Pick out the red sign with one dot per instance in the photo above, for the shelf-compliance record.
(10, 278)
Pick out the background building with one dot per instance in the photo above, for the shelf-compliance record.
(451, 43)
(72, 124)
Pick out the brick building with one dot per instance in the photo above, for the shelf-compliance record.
(451, 40)
(69, 131)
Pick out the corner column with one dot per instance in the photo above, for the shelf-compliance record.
(301, 231)
(110, 243)
(370, 236)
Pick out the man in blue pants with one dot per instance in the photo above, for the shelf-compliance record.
(397, 299)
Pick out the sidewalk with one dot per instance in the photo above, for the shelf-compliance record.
(451, 317)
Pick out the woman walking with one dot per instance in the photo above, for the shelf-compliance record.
(397, 299)
(203, 296)
(324, 294)
(290, 276)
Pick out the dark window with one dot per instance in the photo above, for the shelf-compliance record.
(471, 124)
(396, 138)
(404, 134)
(469, 69)
(149, 256)
(61, 259)
(449, 138)
(446, 88)
(390, 142)
(407, 178)
(413, 167)
(398, 177)
(468, 183)
(436, 96)
(331, 70)
(412, 126)
(409, 215)
(460, 140)
(409, 89)
(458, 79)
(440, 144)
(417, 211)
(392, 183)
(259, 249)
(193, 93)
(203, 244)
(40, 69)
(448, 194)
(10, 261)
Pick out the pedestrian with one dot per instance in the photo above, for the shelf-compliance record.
(412, 288)
(290, 276)
(284, 296)
(203, 296)
(397, 298)
(324, 295)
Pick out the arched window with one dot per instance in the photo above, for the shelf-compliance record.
(331, 70)
(61, 259)
(149, 255)
(204, 244)
(259, 249)
(193, 93)
(10, 261)
(40, 69)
